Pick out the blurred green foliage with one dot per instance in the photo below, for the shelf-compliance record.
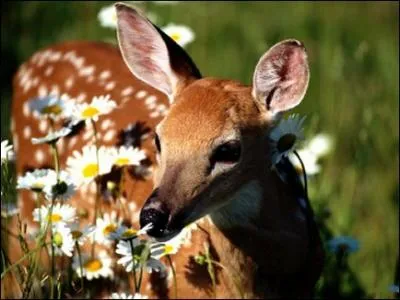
(353, 95)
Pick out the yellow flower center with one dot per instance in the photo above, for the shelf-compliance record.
(122, 161)
(55, 218)
(90, 112)
(109, 228)
(168, 249)
(52, 109)
(37, 186)
(76, 234)
(286, 142)
(130, 232)
(90, 170)
(57, 239)
(93, 265)
(175, 36)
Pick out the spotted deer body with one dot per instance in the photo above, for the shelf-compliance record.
(210, 159)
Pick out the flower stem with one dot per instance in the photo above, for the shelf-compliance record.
(304, 173)
(210, 268)
(173, 276)
(80, 263)
(96, 203)
(134, 266)
(56, 159)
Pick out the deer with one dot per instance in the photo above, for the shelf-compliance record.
(209, 155)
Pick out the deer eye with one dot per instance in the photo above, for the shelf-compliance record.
(157, 142)
(227, 153)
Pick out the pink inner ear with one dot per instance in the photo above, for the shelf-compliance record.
(143, 49)
(281, 76)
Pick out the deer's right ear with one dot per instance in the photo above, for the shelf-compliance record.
(151, 55)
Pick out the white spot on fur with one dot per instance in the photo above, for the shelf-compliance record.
(69, 82)
(92, 188)
(106, 124)
(90, 79)
(150, 99)
(55, 90)
(105, 74)
(39, 156)
(15, 142)
(49, 70)
(42, 91)
(61, 146)
(25, 109)
(151, 106)
(79, 62)
(87, 71)
(109, 135)
(127, 91)
(132, 207)
(109, 86)
(81, 97)
(141, 94)
(154, 114)
(72, 142)
(88, 134)
(43, 125)
(27, 132)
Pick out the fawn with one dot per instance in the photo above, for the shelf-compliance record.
(211, 163)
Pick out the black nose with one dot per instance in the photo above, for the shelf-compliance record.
(157, 214)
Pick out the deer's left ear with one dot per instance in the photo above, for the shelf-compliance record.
(281, 76)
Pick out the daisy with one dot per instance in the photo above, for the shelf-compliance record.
(309, 160)
(52, 137)
(83, 166)
(181, 34)
(126, 233)
(100, 105)
(48, 106)
(106, 227)
(80, 235)
(62, 240)
(320, 145)
(7, 152)
(284, 136)
(343, 243)
(126, 156)
(9, 209)
(128, 296)
(108, 16)
(63, 189)
(160, 249)
(94, 268)
(128, 261)
(60, 214)
(37, 180)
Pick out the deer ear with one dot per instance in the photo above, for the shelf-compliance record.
(151, 55)
(281, 76)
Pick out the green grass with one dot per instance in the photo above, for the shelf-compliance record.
(353, 94)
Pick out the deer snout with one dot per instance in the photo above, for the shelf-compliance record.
(156, 213)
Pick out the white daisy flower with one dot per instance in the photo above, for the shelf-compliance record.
(7, 152)
(60, 214)
(93, 268)
(320, 145)
(343, 243)
(9, 209)
(49, 106)
(37, 180)
(126, 156)
(80, 235)
(106, 227)
(181, 34)
(160, 249)
(52, 137)
(128, 296)
(62, 240)
(108, 16)
(284, 136)
(128, 261)
(309, 160)
(100, 105)
(126, 233)
(83, 166)
(63, 189)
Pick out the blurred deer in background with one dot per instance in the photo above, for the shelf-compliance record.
(211, 164)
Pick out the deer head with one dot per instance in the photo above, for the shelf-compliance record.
(213, 140)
